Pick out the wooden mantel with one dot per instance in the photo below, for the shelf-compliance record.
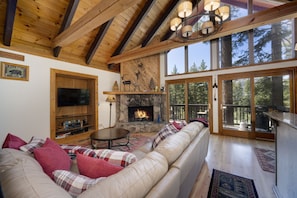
(133, 93)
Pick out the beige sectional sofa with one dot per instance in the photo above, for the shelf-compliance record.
(169, 170)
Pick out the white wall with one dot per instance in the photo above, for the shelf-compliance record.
(25, 105)
(216, 73)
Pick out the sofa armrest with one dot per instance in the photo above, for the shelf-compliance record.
(25, 178)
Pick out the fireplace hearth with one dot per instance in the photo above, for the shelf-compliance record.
(140, 113)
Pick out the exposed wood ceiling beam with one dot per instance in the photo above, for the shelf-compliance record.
(137, 22)
(101, 13)
(159, 22)
(9, 20)
(269, 16)
(99, 37)
(67, 21)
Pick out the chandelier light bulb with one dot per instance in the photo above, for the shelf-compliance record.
(175, 24)
(184, 9)
(207, 28)
(223, 12)
(187, 31)
(211, 5)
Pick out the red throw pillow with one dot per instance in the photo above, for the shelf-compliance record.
(52, 157)
(12, 141)
(202, 120)
(95, 167)
(177, 125)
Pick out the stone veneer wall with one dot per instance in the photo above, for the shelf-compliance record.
(124, 101)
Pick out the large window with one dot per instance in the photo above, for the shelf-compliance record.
(269, 43)
(176, 61)
(193, 58)
(263, 44)
(199, 57)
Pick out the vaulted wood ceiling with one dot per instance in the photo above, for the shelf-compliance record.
(97, 33)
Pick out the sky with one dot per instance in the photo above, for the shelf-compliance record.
(197, 53)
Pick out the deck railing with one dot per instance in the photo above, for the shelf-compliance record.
(233, 115)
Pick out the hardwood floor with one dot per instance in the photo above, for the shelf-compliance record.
(236, 156)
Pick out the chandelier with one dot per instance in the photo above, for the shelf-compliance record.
(191, 27)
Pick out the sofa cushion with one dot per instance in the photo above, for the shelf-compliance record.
(133, 181)
(25, 177)
(166, 131)
(34, 143)
(51, 157)
(173, 146)
(12, 141)
(190, 168)
(94, 167)
(74, 183)
(193, 129)
(119, 158)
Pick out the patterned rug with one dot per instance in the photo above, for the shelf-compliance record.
(266, 159)
(135, 141)
(226, 185)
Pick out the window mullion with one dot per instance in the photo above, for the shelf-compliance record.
(186, 59)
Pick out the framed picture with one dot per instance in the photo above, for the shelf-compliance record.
(14, 71)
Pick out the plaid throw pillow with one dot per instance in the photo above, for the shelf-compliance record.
(72, 149)
(167, 130)
(34, 143)
(74, 183)
(119, 158)
(115, 157)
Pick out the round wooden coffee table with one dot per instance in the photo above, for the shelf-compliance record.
(110, 134)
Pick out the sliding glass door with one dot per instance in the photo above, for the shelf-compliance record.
(246, 97)
(236, 106)
(190, 99)
(272, 93)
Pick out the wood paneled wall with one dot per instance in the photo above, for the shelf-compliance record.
(143, 73)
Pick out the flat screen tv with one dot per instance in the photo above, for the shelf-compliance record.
(73, 97)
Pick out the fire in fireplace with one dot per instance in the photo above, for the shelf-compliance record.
(140, 113)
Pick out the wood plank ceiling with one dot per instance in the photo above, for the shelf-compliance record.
(92, 33)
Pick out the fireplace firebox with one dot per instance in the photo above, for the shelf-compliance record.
(140, 113)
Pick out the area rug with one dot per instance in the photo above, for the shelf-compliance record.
(266, 159)
(226, 185)
(135, 141)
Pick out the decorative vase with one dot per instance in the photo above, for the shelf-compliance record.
(115, 86)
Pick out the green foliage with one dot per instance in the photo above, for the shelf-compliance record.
(174, 71)
(198, 93)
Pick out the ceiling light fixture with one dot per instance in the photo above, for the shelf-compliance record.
(191, 27)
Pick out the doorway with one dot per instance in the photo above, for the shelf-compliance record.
(189, 99)
(245, 97)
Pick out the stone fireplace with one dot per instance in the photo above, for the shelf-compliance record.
(141, 112)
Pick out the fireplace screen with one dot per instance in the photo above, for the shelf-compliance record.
(140, 113)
